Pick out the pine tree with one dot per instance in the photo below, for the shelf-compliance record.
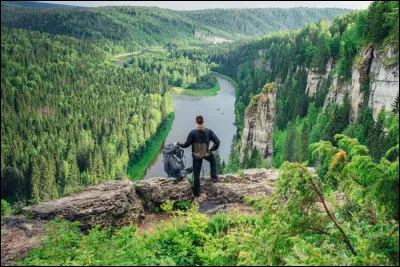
(254, 158)
(376, 137)
(290, 143)
(98, 170)
(303, 149)
(330, 129)
(395, 105)
(44, 174)
(35, 182)
(245, 162)
(73, 178)
(312, 116)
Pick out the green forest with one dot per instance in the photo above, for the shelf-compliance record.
(130, 28)
(248, 22)
(79, 119)
(300, 119)
(72, 117)
(179, 70)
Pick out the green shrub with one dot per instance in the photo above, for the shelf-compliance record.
(5, 208)
(168, 206)
(241, 174)
(182, 205)
(17, 207)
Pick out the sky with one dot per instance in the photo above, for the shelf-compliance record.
(197, 5)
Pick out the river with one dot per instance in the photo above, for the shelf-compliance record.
(219, 115)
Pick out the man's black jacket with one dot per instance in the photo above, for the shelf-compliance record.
(200, 140)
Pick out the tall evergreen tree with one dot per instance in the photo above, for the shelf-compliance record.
(303, 147)
(35, 182)
(395, 105)
(376, 138)
(254, 160)
(246, 159)
(290, 150)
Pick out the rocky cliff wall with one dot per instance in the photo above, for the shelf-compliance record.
(375, 72)
(258, 123)
(374, 78)
(384, 77)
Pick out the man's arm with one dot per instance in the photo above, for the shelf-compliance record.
(215, 140)
(187, 143)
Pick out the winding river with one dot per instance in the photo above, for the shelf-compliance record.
(219, 115)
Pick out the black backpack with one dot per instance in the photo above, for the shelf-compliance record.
(174, 165)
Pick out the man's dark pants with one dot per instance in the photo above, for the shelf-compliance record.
(196, 171)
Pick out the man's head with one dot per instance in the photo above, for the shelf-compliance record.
(199, 120)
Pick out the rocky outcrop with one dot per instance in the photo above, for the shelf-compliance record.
(109, 203)
(18, 236)
(116, 203)
(121, 202)
(156, 191)
(258, 123)
(232, 188)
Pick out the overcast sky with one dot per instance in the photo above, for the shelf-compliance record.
(195, 5)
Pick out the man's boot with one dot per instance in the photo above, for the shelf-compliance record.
(214, 178)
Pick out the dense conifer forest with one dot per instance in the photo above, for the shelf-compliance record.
(79, 119)
(301, 119)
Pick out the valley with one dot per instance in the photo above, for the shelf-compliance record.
(304, 100)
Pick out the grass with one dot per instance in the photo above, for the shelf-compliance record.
(198, 92)
(137, 170)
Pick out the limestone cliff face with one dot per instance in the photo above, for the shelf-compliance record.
(315, 78)
(358, 84)
(375, 78)
(258, 123)
(376, 73)
(384, 76)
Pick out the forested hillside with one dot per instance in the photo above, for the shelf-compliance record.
(133, 27)
(261, 21)
(68, 118)
(128, 27)
(180, 70)
(35, 4)
(287, 59)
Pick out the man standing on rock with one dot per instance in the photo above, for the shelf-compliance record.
(200, 138)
